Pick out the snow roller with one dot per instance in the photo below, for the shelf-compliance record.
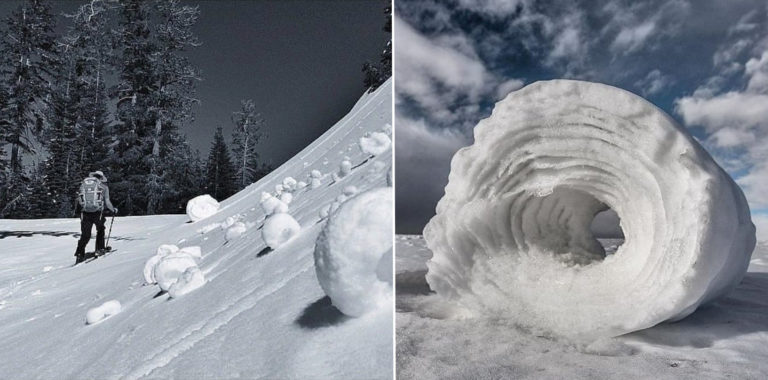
(511, 238)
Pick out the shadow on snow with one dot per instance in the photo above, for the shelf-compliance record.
(25, 234)
(320, 313)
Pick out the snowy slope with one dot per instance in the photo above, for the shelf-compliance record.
(437, 340)
(261, 314)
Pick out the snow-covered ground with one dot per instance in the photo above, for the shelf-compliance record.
(260, 314)
(436, 340)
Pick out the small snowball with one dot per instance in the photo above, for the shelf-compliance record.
(349, 251)
(279, 188)
(375, 144)
(47, 268)
(289, 184)
(278, 229)
(315, 183)
(168, 270)
(201, 207)
(272, 205)
(111, 307)
(234, 232)
(316, 174)
(324, 211)
(99, 313)
(227, 222)
(286, 198)
(149, 266)
(387, 128)
(94, 315)
(345, 168)
(300, 185)
(149, 269)
(191, 279)
(350, 190)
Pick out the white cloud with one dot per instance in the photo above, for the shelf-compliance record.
(636, 26)
(653, 82)
(730, 51)
(737, 124)
(731, 109)
(745, 23)
(508, 86)
(729, 137)
(757, 71)
(421, 65)
(443, 76)
(494, 8)
(633, 38)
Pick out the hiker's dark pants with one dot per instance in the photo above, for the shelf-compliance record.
(87, 220)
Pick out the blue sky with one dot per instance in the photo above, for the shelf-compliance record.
(703, 62)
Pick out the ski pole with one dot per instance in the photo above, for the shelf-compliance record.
(110, 230)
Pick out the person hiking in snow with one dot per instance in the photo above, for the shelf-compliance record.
(91, 199)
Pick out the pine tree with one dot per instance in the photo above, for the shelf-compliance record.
(177, 78)
(219, 171)
(247, 133)
(376, 74)
(129, 164)
(78, 137)
(41, 204)
(27, 53)
(155, 96)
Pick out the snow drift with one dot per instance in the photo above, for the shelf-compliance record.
(511, 236)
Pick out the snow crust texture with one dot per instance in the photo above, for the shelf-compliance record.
(201, 207)
(353, 253)
(511, 236)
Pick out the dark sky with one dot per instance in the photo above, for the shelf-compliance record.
(704, 62)
(300, 61)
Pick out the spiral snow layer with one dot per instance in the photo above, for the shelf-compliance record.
(511, 236)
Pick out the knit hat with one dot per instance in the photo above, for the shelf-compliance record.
(98, 174)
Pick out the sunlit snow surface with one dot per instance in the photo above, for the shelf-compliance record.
(260, 314)
(436, 340)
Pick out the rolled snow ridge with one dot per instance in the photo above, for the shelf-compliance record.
(511, 236)
(353, 253)
(201, 207)
(173, 267)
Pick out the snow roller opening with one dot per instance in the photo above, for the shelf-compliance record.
(606, 227)
(512, 240)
